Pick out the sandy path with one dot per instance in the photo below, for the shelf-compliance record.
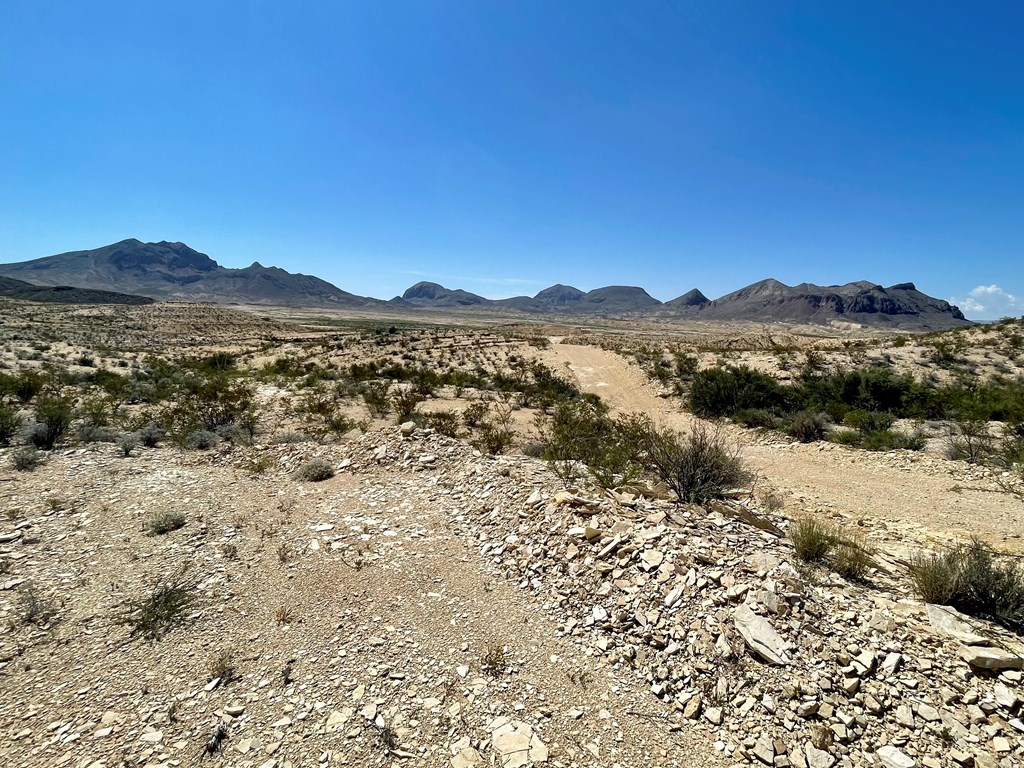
(902, 493)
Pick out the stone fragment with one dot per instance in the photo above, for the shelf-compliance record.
(890, 757)
(759, 635)
(992, 659)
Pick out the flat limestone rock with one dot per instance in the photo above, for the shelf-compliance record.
(891, 757)
(991, 658)
(947, 621)
(760, 636)
(516, 744)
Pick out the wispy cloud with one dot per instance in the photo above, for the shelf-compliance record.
(989, 302)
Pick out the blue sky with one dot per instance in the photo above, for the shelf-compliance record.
(505, 146)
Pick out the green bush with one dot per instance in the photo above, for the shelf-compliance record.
(758, 418)
(165, 522)
(53, 417)
(11, 423)
(166, 605)
(723, 391)
(812, 539)
(697, 466)
(581, 435)
(808, 427)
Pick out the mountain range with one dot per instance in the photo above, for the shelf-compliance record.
(174, 271)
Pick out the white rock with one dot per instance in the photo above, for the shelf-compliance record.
(760, 636)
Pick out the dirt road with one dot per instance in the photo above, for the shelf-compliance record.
(925, 497)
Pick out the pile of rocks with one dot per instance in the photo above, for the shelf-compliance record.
(782, 665)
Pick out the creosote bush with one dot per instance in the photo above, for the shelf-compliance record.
(315, 471)
(697, 466)
(11, 423)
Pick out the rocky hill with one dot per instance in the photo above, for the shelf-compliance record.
(65, 294)
(175, 271)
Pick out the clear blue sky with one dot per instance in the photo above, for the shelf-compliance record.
(504, 146)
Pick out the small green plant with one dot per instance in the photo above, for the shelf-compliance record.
(165, 522)
(166, 605)
(201, 440)
(127, 443)
(315, 471)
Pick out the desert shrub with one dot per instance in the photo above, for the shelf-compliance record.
(974, 579)
(25, 459)
(697, 466)
(166, 604)
(128, 443)
(887, 440)
(211, 403)
(404, 403)
(852, 558)
(869, 421)
(474, 413)
(315, 471)
(24, 385)
(165, 522)
(969, 440)
(807, 427)
(377, 396)
(723, 391)
(583, 435)
(291, 438)
(150, 435)
(934, 576)
(53, 415)
(201, 440)
(757, 418)
(11, 423)
(90, 432)
(444, 423)
(812, 539)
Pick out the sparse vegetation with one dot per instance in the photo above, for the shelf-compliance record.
(315, 471)
(164, 522)
(165, 605)
(697, 466)
(974, 579)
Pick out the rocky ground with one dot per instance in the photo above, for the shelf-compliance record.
(433, 606)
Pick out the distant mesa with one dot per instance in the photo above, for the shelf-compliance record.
(174, 271)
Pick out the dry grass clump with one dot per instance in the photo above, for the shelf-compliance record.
(819, 542)
(974, 579)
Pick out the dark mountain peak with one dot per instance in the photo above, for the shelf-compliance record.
(621, 298)
(427, 294)
(559, 294)
(692, 298)
(903, 287)
(173, 270)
